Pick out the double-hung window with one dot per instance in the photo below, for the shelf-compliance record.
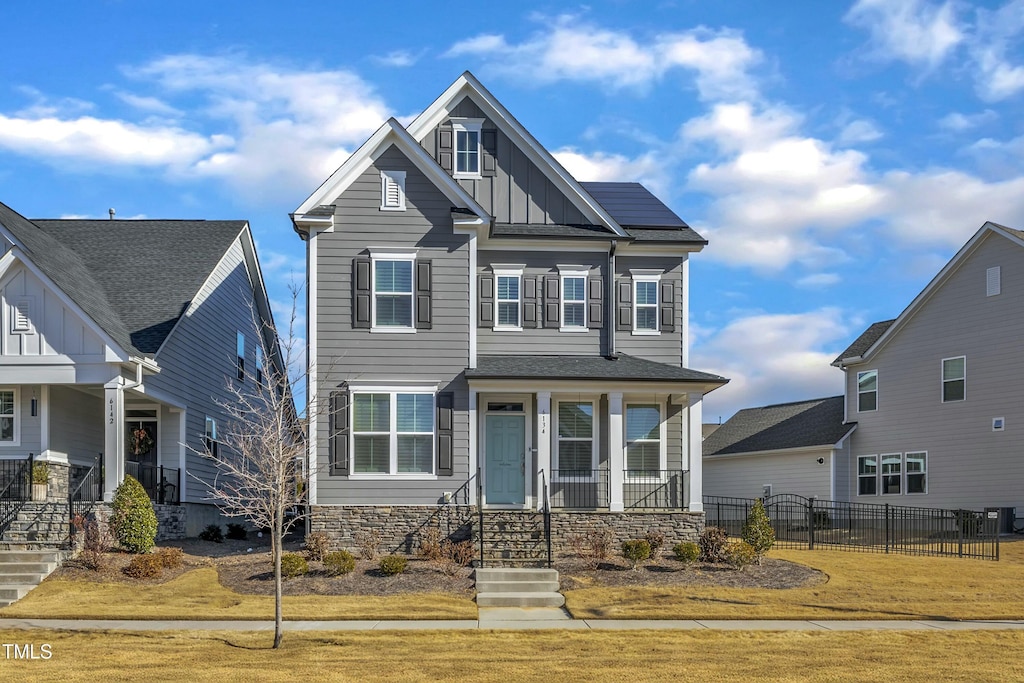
(9, 427)
(393, 432)
(917, 472)
(644, 440)
(509, 298)
(645, 301)
(576, 443)
(467, 147)
(210, 437)
(892, 473)
(954, 379)
(240, 355)
(867, 391)
(574, 300)
(867, 475)
(259, 364)
(393, 292)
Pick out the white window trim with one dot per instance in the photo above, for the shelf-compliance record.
(998, 424)
(596, 430)
(398, 178)
(645, 275)
(469, 126)
(214, 443)
(382, 255)
(508, 271)
(28, 303)
(17, 418)
(942, 377)
(572, 272)
(662, 447)
(859, 392)
(239, 355)
(906, 473)
(859, 476)
(258, 364)
(882, 475)
(393, 472)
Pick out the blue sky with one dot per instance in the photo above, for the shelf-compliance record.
(835, 154)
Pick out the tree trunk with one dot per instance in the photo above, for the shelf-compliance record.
(277, 544)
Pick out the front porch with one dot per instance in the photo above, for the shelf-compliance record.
(641, 490)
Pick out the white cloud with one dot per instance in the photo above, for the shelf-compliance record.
(859, 131)
(914, 31)
(957, 121)
(575, 50)
(152, 105)
(648, 169)
(818, 280)
(398, 58)
(997, 33)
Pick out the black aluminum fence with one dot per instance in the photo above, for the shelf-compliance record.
(15, 488)
(641, 489)
(801, 522)
(163, 484)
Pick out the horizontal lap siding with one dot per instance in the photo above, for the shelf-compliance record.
(76, 424)
(435, 356)
(746, 476)
(969, 465)
(666, 347)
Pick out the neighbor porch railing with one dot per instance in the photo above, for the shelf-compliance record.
(15, 488)
(85, 489)
(641, 489)
(163, 484)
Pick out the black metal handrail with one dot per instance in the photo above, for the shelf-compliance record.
(654, 489)
(480, 515)
(546, 503)
(83, 493)
(16, 481)
(163, 484)
(579, 489)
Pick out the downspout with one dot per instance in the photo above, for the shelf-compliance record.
(138, 374)
(610, 303)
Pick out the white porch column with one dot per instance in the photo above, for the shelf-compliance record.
(113, 437)
(543, 441)
(182, 450)
(474, 448)
(695, 452)
(616, 452)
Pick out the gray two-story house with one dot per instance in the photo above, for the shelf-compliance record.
(486, 332)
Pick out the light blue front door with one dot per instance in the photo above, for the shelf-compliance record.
(506, 460)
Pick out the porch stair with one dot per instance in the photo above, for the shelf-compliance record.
(21, 570)
(513, 538)
(511, 587)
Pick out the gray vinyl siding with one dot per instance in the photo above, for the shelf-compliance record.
(76, 424)
(666, 347)
(198, 361)
(746, 476)
(435, 356)
(541, 340)
(518, 192)
(842, 472)
(969, 465)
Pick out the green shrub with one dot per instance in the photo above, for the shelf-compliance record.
(339, 562)
(237, 532)
(133, 520)
(293, 565)
(713, 541)
(212, 533)
(144, 567)
(686, 552)
(392, 565)
(740, 554)
(170, 558)
(40, 473)
(317, 546)
(757, 530)
(637, 552)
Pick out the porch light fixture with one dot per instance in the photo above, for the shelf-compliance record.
(35, 407)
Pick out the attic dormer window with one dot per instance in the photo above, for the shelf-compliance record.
(467, 147)
(392, 190)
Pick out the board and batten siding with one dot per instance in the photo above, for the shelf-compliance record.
(969, 464)
(665, 347)
(745, 476)
(518, 191)
(76, 424)
(198, 362)
(436, 356)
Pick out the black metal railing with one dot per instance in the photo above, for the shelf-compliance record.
(654, 489)
(163, 484)
(480, 515)
(85, 488)
(15, 488)
(545, 501)
(579, 489)
(808, 523)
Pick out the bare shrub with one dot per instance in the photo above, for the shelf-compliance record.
(656, 541)
(713, 544)
(170, 557)
(455, 556)
(369, 543)
(144, 567)
(430, 544)
(96, 541)
(317, 546)
(592, 547)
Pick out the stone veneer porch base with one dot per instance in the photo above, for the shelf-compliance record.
(401, 527)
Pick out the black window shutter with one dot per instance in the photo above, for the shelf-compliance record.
(552, 301)
(624, 309)
(485, 306)
(666, 306)
(445, 433)
(488, 150)
(595, 302)
(530, 307)
(337, 425)
(361, 292)
(424, 313)
(445, 147)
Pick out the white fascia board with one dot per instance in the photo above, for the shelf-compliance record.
(391, 133)
(467, 84)
(656, 248)
(113, 350)
(582, 386)
(769, 453)
(839, 444)
(6, 234)
(307, 224)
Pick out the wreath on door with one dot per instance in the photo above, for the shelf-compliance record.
(142, 442)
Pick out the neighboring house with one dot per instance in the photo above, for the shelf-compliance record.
(118, 341)
(485, 329)
(784, 448)
(937, 392)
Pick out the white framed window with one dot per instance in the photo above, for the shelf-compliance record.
(393, 432)
(917, 472)
(574, 300)
(645, 301)
(392, 299)
(867, 475)
(645, 440)
(240, 355)
(576, 429)
(998, 424)
(993, 286)
(867, 391)
(954, 379)
(21, 316)
(210, 437)
(259, 364)
(392, 190)
(467, 147)
(892, 473)
(509, 283)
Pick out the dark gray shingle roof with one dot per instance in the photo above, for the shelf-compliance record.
(686, 235)
(787, 425)
(542, 230)
(585, 367)
(865, 340)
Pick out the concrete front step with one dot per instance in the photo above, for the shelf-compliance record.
(516, 586)
(22, 569)
(13, 593)
(508, 587)
(27, 555)
(43, 568)
(520, 599)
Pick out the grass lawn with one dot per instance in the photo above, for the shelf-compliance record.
(860, 586)
(199, 595)
(528, 656)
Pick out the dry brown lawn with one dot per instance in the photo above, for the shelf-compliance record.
(527, 656)
(859, 586)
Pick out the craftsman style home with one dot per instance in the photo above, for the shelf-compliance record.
(119, 340)
(486, 332)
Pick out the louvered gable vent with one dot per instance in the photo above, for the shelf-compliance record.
(392, 190)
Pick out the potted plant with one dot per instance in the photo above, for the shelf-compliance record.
(40, 477)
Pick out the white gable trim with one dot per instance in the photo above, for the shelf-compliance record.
(391, 133)
(467, 84)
